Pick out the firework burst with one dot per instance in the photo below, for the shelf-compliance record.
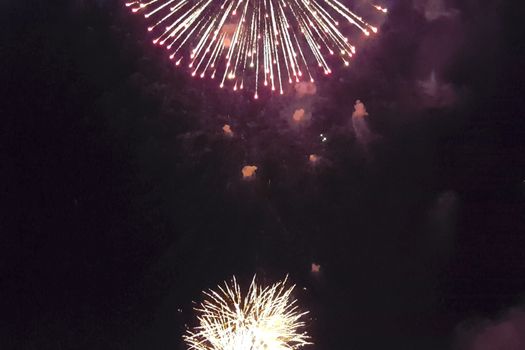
(266, 318)
(272, 42)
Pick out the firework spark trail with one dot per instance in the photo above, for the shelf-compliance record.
(234, 37)
(266, 318)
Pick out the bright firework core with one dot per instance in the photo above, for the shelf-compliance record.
(266, 318)
(268, 42)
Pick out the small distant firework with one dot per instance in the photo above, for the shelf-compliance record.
(266, 318)
(278, 40)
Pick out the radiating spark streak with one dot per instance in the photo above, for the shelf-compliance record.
(268, 41)
(265, 318)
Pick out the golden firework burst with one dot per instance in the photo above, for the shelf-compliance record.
(266, 318)
(279, 41)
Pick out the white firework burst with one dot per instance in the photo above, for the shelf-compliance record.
(266, 318)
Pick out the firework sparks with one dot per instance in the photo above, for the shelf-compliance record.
(266, 318)
(278, 41)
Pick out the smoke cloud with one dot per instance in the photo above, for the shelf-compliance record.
(315, 268)
(314, 159)
(298, 115)
(227, 130)
(434, 9)
(435, 94)
(305, 89)
(506, 334)
(361, 130)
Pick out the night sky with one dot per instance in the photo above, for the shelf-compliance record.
(122, 198)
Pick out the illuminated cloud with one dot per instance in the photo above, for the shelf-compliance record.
(359, 110)
(361, 130)
(314, 159)
(305, 89)
(507, 334)
(228, 30)
(298, 115)
(248, 172)
(315, 268)
(434, 9)
(227, 130)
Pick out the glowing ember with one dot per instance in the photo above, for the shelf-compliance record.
(316, 268)
(359, 110)
(266, 318)
(298, 115)
(227, 130)
(248, 172)
(281, 41)
(314, 159)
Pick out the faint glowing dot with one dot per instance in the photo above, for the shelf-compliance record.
(314, 159)
(227, 130)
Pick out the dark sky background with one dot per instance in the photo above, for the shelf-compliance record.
(122, 199)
